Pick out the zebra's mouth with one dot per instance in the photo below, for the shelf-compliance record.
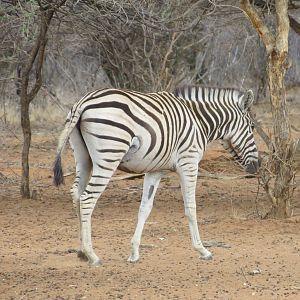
(253, 167)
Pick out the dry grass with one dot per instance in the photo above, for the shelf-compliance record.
(41, 116)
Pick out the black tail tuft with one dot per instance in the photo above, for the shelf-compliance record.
(57, 171)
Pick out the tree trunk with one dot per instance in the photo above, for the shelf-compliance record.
(282, 148)
(35, 59)
(282, 155)
(25, 122)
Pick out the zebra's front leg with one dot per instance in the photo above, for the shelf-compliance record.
(188, 177)
(151, 182)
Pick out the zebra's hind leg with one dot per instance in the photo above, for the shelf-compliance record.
(103, 170)
(151, 182)
(77, 189)
(188, 177)
(83, 173)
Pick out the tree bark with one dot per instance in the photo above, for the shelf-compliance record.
(25, 123)
(282, 156)
(282, 148)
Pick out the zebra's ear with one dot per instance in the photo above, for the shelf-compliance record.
(247, 100)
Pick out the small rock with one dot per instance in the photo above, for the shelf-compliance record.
(255, 272)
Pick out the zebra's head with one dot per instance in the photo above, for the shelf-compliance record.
(239, 141)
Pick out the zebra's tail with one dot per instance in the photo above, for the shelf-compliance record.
(58, 175)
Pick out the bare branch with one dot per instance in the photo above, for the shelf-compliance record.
(263, 31)
(282, 25)
(294, 25)
(175, 37)
(261, 132)
(42, 41)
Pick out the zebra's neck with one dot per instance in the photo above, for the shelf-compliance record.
(211, 107)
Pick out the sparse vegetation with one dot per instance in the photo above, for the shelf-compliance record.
(138, 45)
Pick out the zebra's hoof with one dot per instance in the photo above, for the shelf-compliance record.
(96, 263)
(133, 259)
(207, 257)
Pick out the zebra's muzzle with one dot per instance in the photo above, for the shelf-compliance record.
(253, 167)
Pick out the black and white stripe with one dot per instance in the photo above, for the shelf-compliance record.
(219, 106)
(151, 133)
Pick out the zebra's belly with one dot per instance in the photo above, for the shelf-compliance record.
(139, 163)
(133, 166)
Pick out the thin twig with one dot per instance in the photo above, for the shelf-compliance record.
(261, 132)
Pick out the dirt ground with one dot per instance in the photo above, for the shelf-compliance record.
(253, 258)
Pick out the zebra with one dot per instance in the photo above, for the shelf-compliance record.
(151, 133)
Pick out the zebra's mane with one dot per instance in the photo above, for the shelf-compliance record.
(204, 93)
